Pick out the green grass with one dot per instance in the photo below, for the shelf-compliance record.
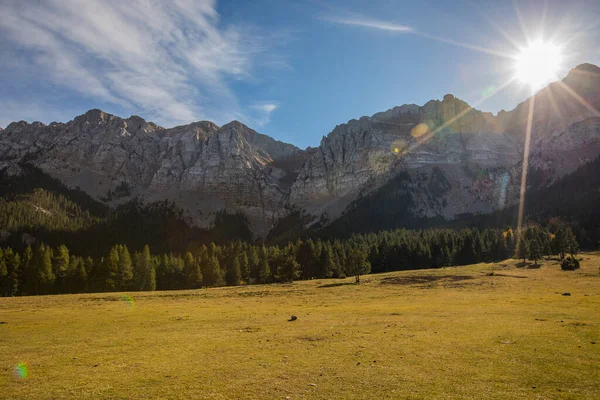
(446, 333)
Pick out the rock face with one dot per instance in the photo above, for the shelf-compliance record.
(201, 166)
(470, 160)
(479, 154)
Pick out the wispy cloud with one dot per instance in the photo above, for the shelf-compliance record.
(171, 61)
(369, 23)
(397, 28)
(263, 111)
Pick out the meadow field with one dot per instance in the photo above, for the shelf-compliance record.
(459, 332)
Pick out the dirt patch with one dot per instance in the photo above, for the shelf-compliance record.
(508, 276)
(330, 285)
(421, 279)
(310, 338)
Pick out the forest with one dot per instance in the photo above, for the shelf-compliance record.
(43, 269)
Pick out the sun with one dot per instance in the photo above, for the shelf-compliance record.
(538, 63)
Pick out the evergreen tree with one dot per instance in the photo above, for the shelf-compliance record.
(213, 269)
(43, 263)
(326, 263)
(306, 258)
(27, 273)
(522, 248)
(13, 264)
(287, 267)
(79, 281)
(253, 263)
(232, 272)
(60, 268)
(109, 272)
(264, 271)
(357, 264)
(535, 249)
(191, 271)
(144, 271)
(561, 243)
(245, 267)
(125, 268)
(466, 255)
(571, 245)
(3, 275)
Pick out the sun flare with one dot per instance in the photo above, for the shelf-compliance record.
(538, 63)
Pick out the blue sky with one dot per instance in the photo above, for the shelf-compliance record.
(292, 69)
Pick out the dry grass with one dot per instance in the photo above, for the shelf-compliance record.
(448, 333)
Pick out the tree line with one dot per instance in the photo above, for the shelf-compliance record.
(43, 269)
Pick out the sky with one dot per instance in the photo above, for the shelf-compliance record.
(292, 69)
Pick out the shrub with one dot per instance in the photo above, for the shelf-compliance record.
(570, 264)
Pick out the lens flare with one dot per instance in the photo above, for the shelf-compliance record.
(21, 370)
(419, 130)
(129, 300)
(398, 147)
(538, 63)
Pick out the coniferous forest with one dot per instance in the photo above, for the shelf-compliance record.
(59, 240)
(43, 269)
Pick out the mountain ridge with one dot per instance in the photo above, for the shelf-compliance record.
(205, 168)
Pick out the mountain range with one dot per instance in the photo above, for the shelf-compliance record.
(437, 161)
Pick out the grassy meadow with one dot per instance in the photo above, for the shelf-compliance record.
(451, 333)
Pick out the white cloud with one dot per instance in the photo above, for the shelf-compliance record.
(264, 111)
(369, 23)
(265, 107)
(171, 61)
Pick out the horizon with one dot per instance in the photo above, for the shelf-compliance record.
(280, 68)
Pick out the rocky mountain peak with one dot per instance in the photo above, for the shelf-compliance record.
(94, 116)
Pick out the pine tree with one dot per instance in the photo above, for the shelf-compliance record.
(306, 258)
(287, 267)
(110, 278)
(13, 264)
(213, 269)
(467, 255)
(522, 248)
(144, 271)
(81, 275)
(27, 273)
(232, 272)
(571, 245)
(326, 263)
(3, 275)
(264, 271)
(535, 250)
(60, 267)
(43, 263)
(357, 264)
(253, 263)
(245, 267)
(191, 271)
(125, 274)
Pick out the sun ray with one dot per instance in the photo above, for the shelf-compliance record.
(550, 91)
(427, 137)
(521, 22)
(525, 167)
(464, 45)
(505, 34)
(543, 20)
(580, 99)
